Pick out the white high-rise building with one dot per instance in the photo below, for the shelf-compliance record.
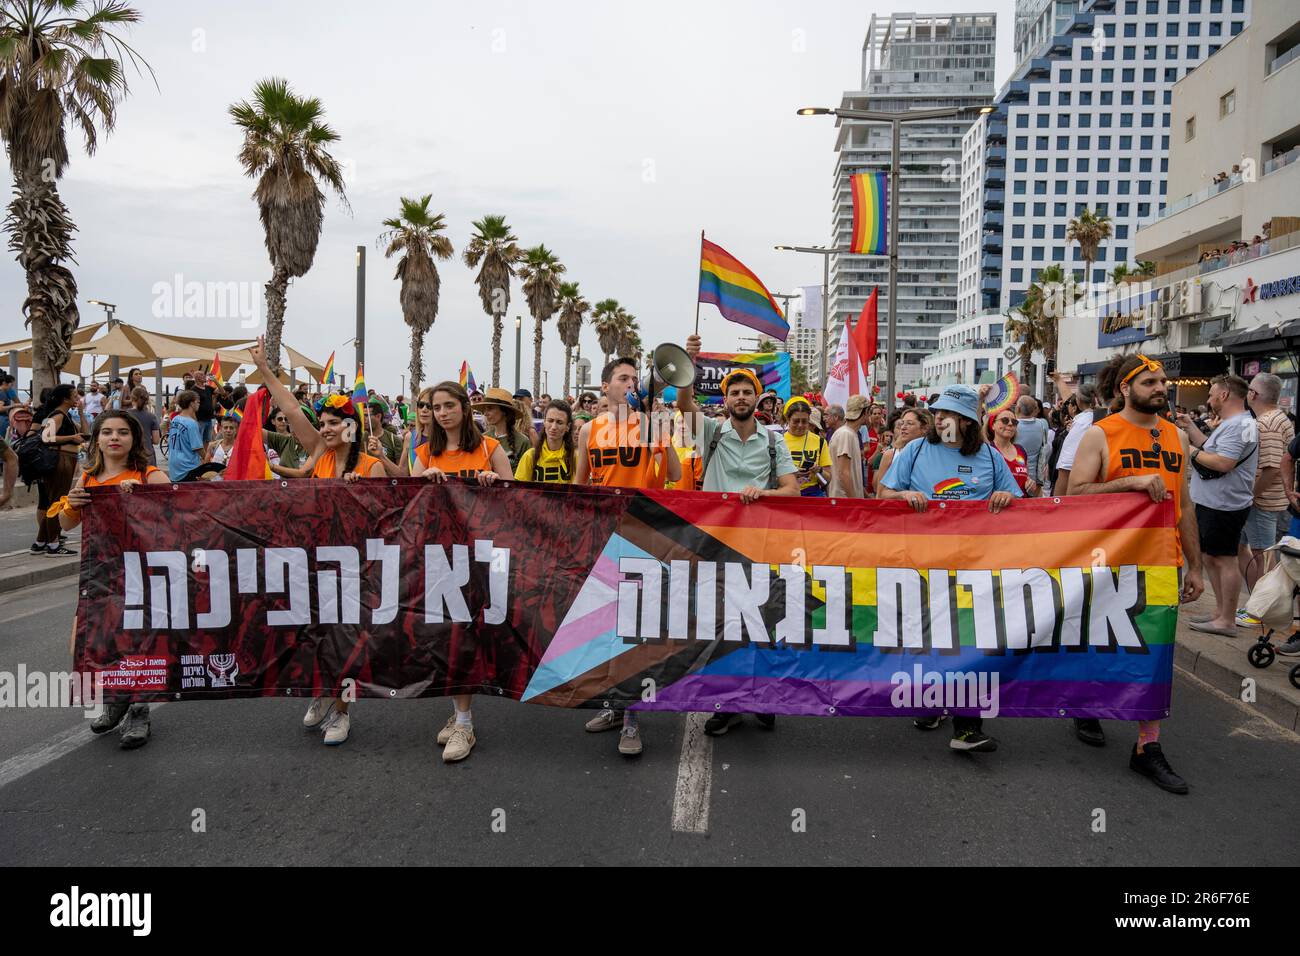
(972, 218)
(911, 61)
(1084, 122)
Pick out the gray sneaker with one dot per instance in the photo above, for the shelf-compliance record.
(629, 742)
(135, 730)
(1292, 647)
(606, 720)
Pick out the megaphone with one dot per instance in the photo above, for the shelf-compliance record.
(670, 367)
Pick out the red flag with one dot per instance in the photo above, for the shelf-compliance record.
(866, 333)
(247, 461)
(854, 387)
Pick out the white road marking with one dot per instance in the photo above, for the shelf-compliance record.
(694, 778)
(48, 751)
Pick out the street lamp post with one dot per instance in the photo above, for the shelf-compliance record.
(114, 363)
(895, 119)
(361, 307)
(826, 254)
(519, 331)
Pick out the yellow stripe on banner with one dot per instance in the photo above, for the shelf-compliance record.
(734, 278)
(1161, 586)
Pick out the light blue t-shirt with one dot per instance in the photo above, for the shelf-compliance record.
(945, 474)
(184, 447)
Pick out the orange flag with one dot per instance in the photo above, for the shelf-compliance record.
(247, 461)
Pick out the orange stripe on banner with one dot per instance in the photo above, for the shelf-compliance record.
(1064, 549)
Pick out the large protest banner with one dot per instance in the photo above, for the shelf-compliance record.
(772, 369)
(662, 600)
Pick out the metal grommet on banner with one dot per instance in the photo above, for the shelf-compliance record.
(177, 697)
(605, 705)
(717, 707)
(724, 497)
(1061, 711)
(392, 693)
(834, 501)
(393, 482)
(288, 692)
(830, 710)
(84, 593)
(174, 487)
(284, 484)
(943, 504)
(1056, 501)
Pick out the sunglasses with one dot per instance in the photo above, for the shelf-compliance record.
(424, 406)
(1155, 435)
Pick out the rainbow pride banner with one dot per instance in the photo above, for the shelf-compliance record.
(870, 213)
(658, 600)
(772, 369)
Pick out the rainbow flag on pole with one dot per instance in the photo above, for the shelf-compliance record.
(870, 213)
(327, 376)
(739, 294)
(216, 368)
(466, 377)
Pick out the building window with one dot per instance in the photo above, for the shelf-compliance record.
(1058, 231)
(1103, 164)
(1039, 230)
(1190, 129)
(1018, 230)
(1228, 103)
(1193, 51)
(1020, 165)
(1040, 209)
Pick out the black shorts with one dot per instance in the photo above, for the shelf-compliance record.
(1220, 531)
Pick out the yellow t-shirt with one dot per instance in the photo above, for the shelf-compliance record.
(553, 466)
(808, 451)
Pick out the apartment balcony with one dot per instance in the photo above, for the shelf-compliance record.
(996, 156)
(994, 198)
(997, 131)
(991, 264)
(991, 285)
(1017, 92)
(992, 221)
(1039, 69)
(992, 242)
(995, 178)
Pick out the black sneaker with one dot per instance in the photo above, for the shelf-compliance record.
(1088, 729)
(973, 740)
(1292, 647)
(58, 551)
(38, 547)
(767, 721)
(1152, 763)
(719, 724)
(135, 731)
(928, 723)
(110, 718)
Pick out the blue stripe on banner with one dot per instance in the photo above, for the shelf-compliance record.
(872, 663)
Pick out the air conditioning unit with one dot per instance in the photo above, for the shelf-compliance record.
(1155, 325)
(1185, 299)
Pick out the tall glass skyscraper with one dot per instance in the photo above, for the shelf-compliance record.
(911, 61)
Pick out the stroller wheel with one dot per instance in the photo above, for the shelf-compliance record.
(1294, 677)
(1261, 655)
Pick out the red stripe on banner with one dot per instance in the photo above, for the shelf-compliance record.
(1030, 516)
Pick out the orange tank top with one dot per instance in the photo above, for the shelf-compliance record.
(459, 463)
(326, 464)
(140, 476)
(618, 455)
(1131, 452)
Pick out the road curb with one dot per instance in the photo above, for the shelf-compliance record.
(1275, 706)
(12, 579)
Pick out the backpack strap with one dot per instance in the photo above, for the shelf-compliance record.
(771, 457)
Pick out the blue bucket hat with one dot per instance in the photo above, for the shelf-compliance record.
(961, 399)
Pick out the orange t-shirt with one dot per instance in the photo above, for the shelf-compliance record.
(140, 476)
(460, 463)
(1130, 455)
(618, 456)
(326, 463)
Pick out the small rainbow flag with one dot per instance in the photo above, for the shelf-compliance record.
(466, 377)
(359, 396)
(739, 294)
(216, 368)
(327, 376)
(1003, 396)
(410, 452)
(870, 213)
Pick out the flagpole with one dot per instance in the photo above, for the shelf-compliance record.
(697, 287)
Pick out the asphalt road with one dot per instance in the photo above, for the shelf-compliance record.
(870, 791)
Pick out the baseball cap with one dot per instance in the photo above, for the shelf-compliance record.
(961, 399)
(523, 393)
(745, 374)
(855, 407)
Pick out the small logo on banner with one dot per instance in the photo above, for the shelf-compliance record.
(222, 670)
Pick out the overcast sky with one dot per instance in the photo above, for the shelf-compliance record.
(612, 132)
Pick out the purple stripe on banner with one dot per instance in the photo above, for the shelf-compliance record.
(755, 695)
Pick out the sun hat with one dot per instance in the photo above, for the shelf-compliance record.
(501, 398)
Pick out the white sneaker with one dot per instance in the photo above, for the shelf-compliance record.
(448, 728)
(337, 726)
(318, 711)
(459, 744)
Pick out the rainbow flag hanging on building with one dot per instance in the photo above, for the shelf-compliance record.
(739, 294)
(327, 376)
(870, 213)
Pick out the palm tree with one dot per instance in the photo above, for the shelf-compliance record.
(1146, 269)
(59, 60)
(1121, 274)
(572, 309)
(607, 319)
(1089, 230)
(494, 245)
(1034, 322)
(416, 233)
(540, 272)
(629, 342)
(285, 140)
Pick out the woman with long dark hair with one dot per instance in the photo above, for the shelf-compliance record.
(552, 456)
(456, 447)
(57, 429)
(333, 452)
(117, 457)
